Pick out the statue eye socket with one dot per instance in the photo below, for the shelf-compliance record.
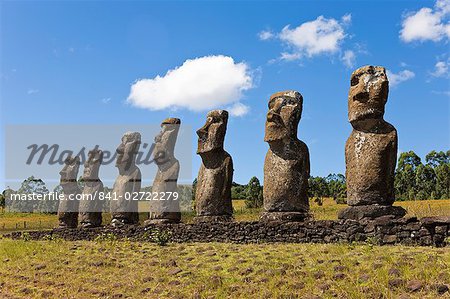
(290, 102)
(354, 81)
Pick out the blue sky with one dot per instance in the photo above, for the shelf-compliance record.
(75, 62)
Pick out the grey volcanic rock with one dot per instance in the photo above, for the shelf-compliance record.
(166, 210)
(91, 205)
(124, 210)
(407, 231)
(371, 149)
(213, 193)
(286, 167)
(68, 209)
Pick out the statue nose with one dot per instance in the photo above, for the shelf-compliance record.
(362, 96)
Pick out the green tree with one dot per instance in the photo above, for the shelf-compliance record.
(2, 201)
(337, 187)
(425, 181)
(317, 188)
(29, 186)
(443, 181)
(238, 191)
(435, 159)
(405, 175)
(253, 194)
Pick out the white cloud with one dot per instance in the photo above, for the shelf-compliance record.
(441, 69)
(32, 91)
(315, 37)
(289, 56)
(427, 23)
(198, 84)
(347, 18)
(106, 100)
(238, 109)
(402, 76)
(320, 36)
(265, 35)
(349, 58)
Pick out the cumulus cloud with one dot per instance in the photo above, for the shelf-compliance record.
(238, 109)
(427, 23)
(315, 37)
(349, 58)
(198, 84)
(265, 35)
(320, 36)
(441, 69)
(397, 78)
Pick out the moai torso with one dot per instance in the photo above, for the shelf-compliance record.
(286, 180)
(370, 160)
(166, 208)
(215, 177)
(123, 207)
(286, 167)
(124, 210)
(213, 192)
(68, 207)
(91, 205)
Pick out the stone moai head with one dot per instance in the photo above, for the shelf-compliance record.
(211, 136)
(92, 165)
(127, 151)
(165, 140)
(285, 110)
(368, 94)
(69, 172)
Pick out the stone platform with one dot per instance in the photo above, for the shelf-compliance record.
(432, 231)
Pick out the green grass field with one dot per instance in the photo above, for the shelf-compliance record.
(124, 269)
(108, 268)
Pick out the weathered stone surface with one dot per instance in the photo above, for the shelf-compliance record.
(371, 149)
(128, 182)
(91, 205)
(213, 192)
(286, 167)
(68, 209)
(371, 212)
(322, 231)
(166, 210)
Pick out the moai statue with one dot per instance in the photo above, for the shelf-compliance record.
(91, 205)
(68, 208)
(286, 167)
(166, 207)
(124, 210)
(213, 192)
(371, 149)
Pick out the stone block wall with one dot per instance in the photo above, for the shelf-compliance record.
(433, 231)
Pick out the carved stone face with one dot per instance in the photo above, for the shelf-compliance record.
(127, 151)
(165, 140)
(285, 110)
(368, 94)
(92, 165)
(212, 134)
(69, 172)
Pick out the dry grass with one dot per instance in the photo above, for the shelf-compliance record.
(121, 269)
(108, 268)
(328, 211)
